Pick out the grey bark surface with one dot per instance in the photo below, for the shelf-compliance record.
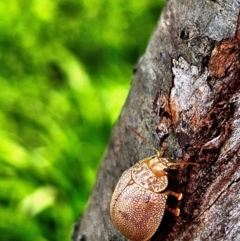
(185, 90)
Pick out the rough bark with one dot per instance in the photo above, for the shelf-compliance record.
(185, 90)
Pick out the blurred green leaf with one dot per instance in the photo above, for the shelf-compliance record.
(65, 73)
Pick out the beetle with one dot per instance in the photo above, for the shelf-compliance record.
(139, 200)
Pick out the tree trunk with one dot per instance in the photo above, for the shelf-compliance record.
(185, 91)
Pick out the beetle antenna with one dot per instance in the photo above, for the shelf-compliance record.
(170, 164)
(145, 140)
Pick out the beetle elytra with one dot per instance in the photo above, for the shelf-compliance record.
(139, 200)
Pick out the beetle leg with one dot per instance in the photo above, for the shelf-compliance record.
(174, 211)
(175, 194)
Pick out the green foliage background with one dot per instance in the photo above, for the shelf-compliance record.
(65, 71)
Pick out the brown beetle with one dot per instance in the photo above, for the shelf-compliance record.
(139, 200)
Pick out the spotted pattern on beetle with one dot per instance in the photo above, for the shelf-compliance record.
(139, 200)
(146, 207)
